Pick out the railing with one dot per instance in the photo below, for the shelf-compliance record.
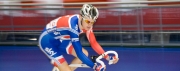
(135, 25)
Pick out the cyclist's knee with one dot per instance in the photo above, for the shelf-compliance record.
(63, 67)
(58, 61)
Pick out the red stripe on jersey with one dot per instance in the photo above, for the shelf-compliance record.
(70, 49)
(60, 61)
(66, 36)
(63, 21)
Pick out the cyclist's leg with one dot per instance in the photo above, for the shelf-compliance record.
(64, 67)
(52, 52)
(69, 49)
(76, 60)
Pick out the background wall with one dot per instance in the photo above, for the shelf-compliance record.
(145, 35)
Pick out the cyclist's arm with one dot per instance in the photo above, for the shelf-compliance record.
(78, 49)
(94, 44)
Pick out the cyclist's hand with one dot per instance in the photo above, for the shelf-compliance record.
(113, 60)
(99, 68)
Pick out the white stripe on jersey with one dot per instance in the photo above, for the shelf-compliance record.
(67, 49)
(62, 37)
(78, 16)
(57, 58)
(68, 29)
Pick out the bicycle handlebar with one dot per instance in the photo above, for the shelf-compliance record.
(102, 56)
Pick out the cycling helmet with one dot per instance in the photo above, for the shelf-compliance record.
(89, 11)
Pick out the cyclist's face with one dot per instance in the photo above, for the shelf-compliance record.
(87, 23)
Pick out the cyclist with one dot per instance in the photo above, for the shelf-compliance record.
(61, 35)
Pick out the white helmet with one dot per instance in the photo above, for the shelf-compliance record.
(90, 11)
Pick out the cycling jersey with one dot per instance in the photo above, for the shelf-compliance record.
(62, 34)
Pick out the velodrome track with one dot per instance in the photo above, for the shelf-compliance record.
(30, 58)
